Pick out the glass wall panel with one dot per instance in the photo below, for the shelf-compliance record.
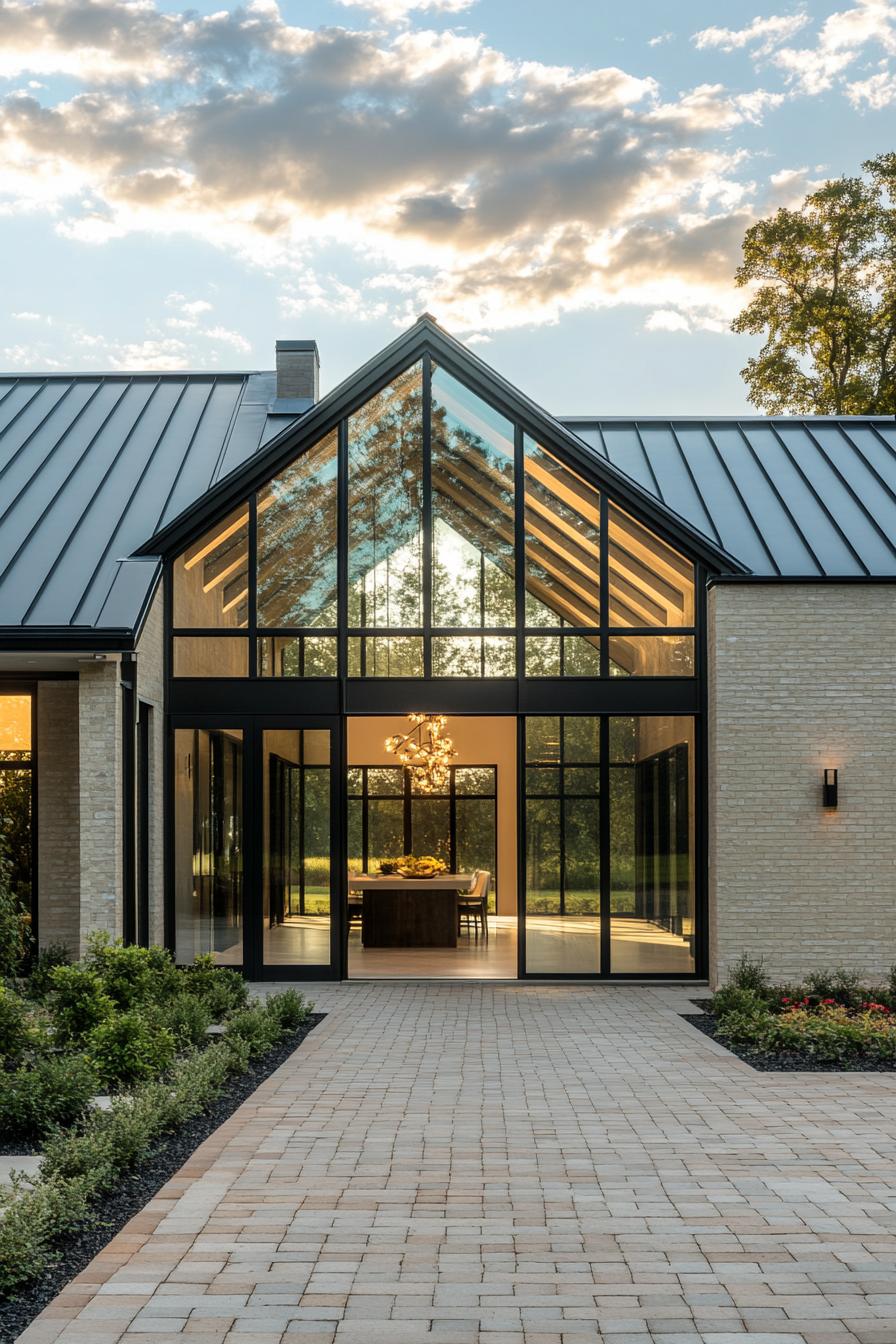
(296, 868)
(472, 509)
(650, 583)
(385, 504)
(388, 818)
(16, 799)
(562, 844)
(652, 808)
(298, 656)
(208, 844)
(297, 541)
(473, 656)
(651, 655)
(562, 655)
(385, 656)
(211, 578)
(210, 656)
(562, 543)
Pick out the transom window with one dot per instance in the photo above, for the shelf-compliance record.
(463, 548)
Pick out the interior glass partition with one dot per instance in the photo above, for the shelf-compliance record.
(208, 844)
(296, 870)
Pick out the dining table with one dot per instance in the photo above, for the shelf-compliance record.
(402, 911)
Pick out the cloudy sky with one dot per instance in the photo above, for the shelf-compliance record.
(564, 185)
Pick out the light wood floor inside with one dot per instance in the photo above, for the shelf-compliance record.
(568, 946)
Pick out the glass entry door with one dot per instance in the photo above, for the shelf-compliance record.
(297, 893)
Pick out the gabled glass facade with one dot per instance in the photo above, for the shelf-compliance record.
(433, 550)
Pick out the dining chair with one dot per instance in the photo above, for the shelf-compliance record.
(473, 904)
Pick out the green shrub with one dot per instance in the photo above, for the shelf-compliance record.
(259, 1029)
(132, 975)
(221, 988)
(841, 985)
(127, 1048)
(32, 1216)
(15, 1033)
(185, 1016)
(730, 999)
(78, 1002)
(39, 982)
(289, 1009)
(53, 1091)
(749, 973)
(15, 928)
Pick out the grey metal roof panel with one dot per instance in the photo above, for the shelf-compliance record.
(796, 497)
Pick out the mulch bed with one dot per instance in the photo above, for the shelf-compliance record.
(139, 1187)
(764, 1063)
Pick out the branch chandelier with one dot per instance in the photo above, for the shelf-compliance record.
(426, 751)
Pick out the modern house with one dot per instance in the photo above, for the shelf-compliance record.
(651, 666)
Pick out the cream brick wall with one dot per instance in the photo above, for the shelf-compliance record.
(99, 733)
(802, 677)
(150, 689)
(58, 814)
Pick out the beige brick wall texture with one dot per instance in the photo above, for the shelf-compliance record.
(58, 814)
(99, 732)
(802, 677)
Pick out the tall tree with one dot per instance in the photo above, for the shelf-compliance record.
(825, 299)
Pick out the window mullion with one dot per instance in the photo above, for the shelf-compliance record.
(427, 516)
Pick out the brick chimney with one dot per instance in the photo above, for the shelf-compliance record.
(298, 371)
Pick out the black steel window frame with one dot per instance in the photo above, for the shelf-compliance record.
(700, 946)
(342, 632)
(287, 782)
(30, 766)
(237, 701)
(407, 797)
(562, 794)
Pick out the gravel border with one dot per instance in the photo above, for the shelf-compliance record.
(140, 1186)
(765, 1063)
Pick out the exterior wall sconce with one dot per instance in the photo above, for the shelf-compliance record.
(829, 788)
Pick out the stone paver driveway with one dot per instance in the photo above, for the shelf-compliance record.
(521, 1165)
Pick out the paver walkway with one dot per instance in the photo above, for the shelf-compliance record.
(521, 1165)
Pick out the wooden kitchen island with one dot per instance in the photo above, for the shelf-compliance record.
(409, 911)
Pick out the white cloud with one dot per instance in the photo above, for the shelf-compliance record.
(659, 39)
(666, 319)
(763, 34)
(28, 317)
(227, 337)
(876, 92)
(399, 11)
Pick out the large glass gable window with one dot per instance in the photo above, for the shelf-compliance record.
(463, 548)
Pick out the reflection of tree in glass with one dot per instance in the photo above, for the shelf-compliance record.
(385, 562)
(473, 538)
(15, 831)
(297, 541)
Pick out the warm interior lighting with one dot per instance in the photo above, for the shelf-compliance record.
(15, 724)
(829, 787)
(426, 751)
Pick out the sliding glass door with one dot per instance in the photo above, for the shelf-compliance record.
(297, 868)
(255, 825)
(609, 844)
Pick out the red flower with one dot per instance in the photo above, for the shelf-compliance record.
(785, 1000)
(829, 1000)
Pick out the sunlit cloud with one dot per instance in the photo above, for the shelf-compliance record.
(491, 190)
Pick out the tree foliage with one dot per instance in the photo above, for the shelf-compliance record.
(825, 299)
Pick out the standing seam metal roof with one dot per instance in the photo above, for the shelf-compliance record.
(91, 465)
